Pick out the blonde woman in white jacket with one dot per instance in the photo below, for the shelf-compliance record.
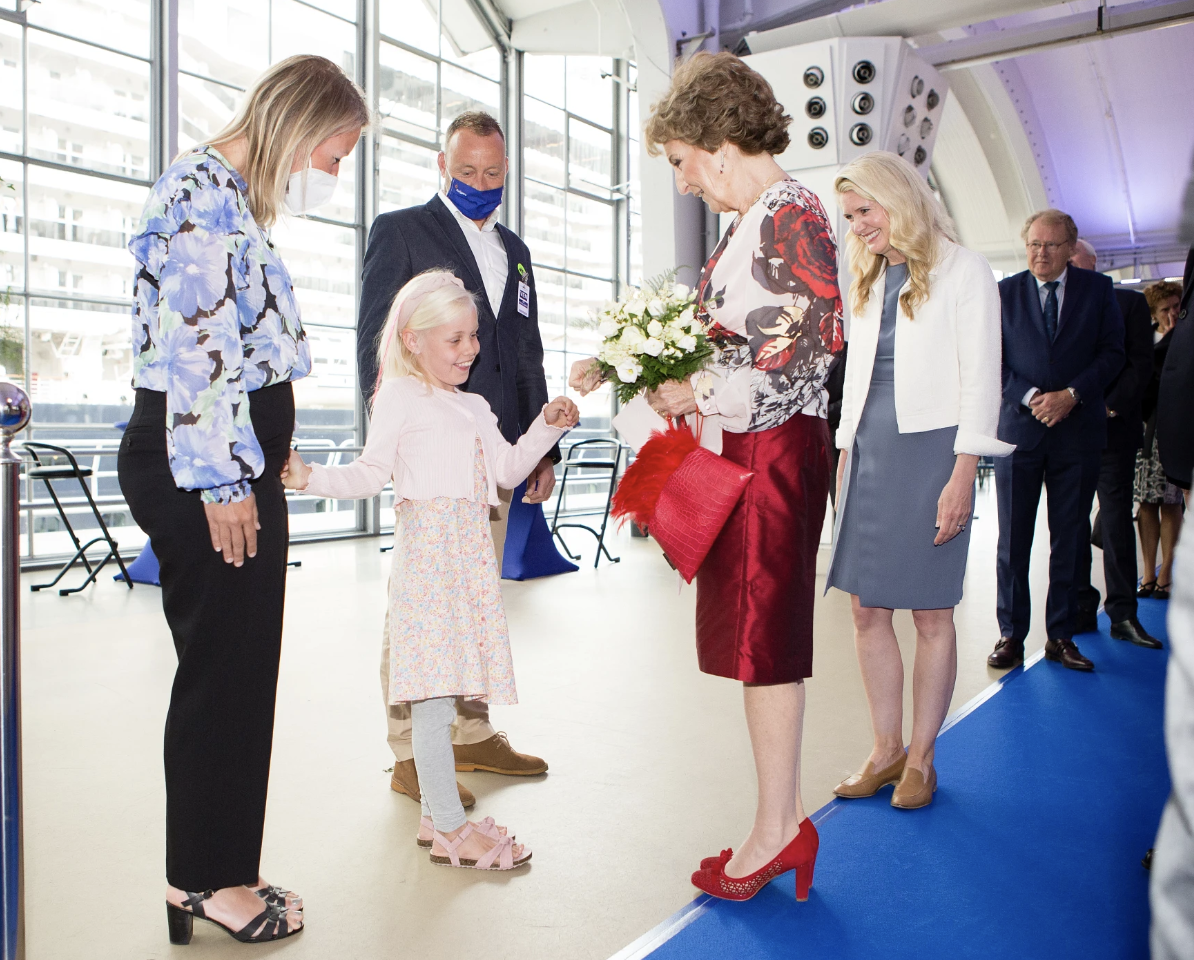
(920, 405)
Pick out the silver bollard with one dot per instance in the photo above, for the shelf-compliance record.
(14, 415)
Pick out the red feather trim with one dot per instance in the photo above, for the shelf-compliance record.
(642, 483)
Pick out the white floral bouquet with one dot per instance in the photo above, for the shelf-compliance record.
(650, 337)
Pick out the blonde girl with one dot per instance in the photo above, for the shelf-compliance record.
(445, 628)
(920, 405)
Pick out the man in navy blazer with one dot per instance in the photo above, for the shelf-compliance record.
(1063, 343)
(457, 229)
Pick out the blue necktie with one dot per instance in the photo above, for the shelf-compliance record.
(1051, 310)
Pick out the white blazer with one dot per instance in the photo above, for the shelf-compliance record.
(425, 439)
(947, 360)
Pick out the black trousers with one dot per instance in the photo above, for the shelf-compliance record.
(1018, 480)
(227, 628)
(1117, 470)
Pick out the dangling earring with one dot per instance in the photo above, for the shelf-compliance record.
(723, 160)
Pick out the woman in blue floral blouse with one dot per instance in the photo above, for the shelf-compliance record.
(218, 341)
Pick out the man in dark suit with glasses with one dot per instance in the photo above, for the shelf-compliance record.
(1063, 343)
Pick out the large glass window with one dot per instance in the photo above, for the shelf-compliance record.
(79, 137)
(82, 141)
(430, 69)
(76, 124)
(575, 156)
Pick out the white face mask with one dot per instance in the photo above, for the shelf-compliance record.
(320, 188)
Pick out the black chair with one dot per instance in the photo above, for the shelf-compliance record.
(46, 467)
(579, 462)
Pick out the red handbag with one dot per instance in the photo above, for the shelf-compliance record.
(681, 493)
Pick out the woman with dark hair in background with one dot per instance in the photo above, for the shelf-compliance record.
(1159, 516)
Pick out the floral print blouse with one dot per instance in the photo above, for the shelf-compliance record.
(214, 318)
(770, 296)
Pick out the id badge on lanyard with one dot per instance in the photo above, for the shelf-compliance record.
(524, 292)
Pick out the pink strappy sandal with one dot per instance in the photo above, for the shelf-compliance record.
(499, 857)
(427, 831)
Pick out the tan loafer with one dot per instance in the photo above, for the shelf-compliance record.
(495, 755)
(405, 779)
(913, 790)
(867, 783)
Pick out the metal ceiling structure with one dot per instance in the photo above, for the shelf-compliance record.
(1074, 104)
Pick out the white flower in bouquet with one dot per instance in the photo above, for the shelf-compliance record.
(629, 371)
(652, 346)
(651, 338)
(674, 331)
(613, 354)
(632, 339)
(608, 327)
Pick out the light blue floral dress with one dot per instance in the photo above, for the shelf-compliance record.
(214, 318)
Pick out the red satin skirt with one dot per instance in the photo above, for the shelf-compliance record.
(755, 590)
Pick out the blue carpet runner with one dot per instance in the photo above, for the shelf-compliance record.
(1050, 792)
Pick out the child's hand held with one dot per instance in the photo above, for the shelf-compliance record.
(561, 413)
(296, 472)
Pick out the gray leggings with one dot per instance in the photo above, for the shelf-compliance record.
(431, 737)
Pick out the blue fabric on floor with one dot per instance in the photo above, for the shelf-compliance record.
(1049, 794)
(144, 569)
(530, 549)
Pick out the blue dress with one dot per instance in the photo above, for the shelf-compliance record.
(883, 550)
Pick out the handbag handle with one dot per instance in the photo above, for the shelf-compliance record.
(700, 424)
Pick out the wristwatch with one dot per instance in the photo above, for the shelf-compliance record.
(1074, 393)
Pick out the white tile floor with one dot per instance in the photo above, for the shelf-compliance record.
(650, 765)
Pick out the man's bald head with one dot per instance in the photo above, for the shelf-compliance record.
(1084, 256)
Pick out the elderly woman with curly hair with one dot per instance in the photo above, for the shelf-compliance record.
(769, 295)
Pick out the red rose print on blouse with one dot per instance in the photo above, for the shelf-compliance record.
(802, 243)
(771, 289)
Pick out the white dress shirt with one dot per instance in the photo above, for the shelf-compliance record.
(1040, 288)
(488, 251)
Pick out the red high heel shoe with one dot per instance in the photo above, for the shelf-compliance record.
(710, 863)
(799, 855)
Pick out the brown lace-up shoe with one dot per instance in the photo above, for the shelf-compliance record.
(495, 755)
(1067, 654)
(1008, 653)
(405, 779)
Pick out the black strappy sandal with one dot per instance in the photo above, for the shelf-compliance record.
(268, 925)
(1147, 590)
(278, 895)
(1162, 592)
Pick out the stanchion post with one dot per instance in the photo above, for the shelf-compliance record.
(14, 415)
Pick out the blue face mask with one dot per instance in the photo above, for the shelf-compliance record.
(473, 203)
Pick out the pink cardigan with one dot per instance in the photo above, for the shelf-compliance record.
(424, 439)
